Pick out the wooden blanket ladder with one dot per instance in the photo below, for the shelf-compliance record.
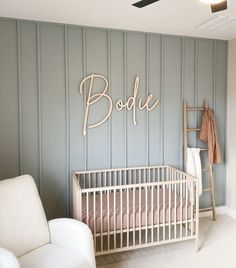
(209, 169)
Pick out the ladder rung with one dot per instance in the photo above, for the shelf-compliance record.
(193, 129)
(203, 149)
(196, 109)
(207, 190)
(205, 209)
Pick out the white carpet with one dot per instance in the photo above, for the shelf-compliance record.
(218, 250)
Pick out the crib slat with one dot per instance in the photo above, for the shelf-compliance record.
(94, 220)
(127, 209)
(87, 208)
(105, 178)
(108, 219)
(84, 185)
(152, 213)
(115, 177)
(121, 217)
(101, 211)
(134, 216)
(140, 215)
(89, 181)
(170, 212)
(175, 212)
(164, 213)
(146, 212)
(181, 210)
(158, 213)
(100, 178)
(114, 217)
(191, 205)
(154, 175)
(186, 212)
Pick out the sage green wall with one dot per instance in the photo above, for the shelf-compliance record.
(41, 110)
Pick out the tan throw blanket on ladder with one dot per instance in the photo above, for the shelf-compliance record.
(208, 134)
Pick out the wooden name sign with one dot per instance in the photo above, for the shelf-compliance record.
(132, 103)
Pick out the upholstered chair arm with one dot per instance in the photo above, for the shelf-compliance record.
(8, 259)
(75, 235)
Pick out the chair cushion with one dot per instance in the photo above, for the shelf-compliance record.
(23, 224)
(50, 256)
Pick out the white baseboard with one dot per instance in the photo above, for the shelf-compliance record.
(223, 210)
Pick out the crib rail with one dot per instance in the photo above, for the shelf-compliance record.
(136, 207)
(126, 176)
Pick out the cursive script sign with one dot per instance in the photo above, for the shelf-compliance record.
(132, 103)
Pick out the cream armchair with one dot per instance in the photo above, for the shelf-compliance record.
(27, 240)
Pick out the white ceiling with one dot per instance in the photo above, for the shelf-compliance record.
(180, 17)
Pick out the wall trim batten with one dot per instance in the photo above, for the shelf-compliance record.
(39, 103)
(125, 94)
(85, 95)
(67, 105)
(19, 82)
(109, 90)
(214, 75)
(196, 85)
(147, 92)
(182, 101)
(225, 123)
(162, 100)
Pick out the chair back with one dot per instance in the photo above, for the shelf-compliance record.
(23, 223)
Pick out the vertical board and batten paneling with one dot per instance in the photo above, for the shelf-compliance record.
(42, 110)
(9, 101)
(75, 48)
(205, 90)
(136, 44)
(53, 184)
(76, 104)
(221, 54)
(205, 74)
(98, 145)
(117, 84)
(29, 99)
(189, 82)
(172, 99)
(154, 86)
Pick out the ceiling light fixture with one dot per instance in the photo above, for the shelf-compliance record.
(216, 5)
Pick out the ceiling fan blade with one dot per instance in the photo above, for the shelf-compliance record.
(144, 3)
(219, 7)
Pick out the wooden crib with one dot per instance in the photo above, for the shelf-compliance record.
(130, 208)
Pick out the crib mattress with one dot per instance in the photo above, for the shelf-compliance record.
(138, 210)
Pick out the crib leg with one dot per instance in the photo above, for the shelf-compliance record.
(197, 245)
(197, 238)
